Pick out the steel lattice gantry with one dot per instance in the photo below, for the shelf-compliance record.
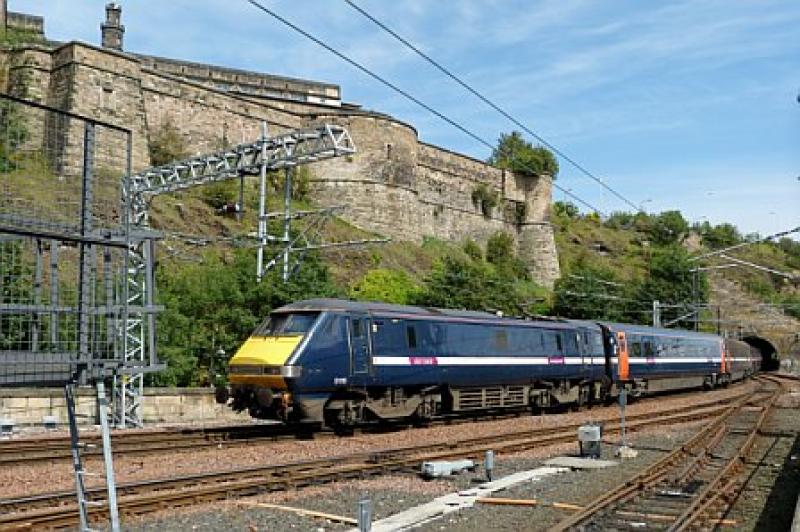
(256, 158)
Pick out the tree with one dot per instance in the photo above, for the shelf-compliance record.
(592, 293)
(460, 283)
(518, 155)
(500, 253)
(216, 305)
(388, 286)
(167, 144)
(669, 227)
(565, 209)
(671, 281)
(719, 236)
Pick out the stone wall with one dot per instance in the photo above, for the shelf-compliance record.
(406, 189)
(245, 83)
(24, 22)
(27, 407)
(395, 185)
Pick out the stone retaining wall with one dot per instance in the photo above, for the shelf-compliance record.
(28, 406)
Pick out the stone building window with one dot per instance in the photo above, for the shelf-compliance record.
(388, 150)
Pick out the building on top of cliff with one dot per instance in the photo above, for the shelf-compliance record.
(242, 82)
(395, 185)
(20, 21)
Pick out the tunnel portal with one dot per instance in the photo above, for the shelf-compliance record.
(769, 355)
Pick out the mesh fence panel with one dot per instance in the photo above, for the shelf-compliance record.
(62, 284)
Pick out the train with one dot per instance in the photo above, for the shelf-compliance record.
(341, 363)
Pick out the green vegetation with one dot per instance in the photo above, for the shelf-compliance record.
(14, 135)
(498, 283)
(388, 286)
(18, 36)
(719, 236)
(515, 153)
(167, 144)
(485, 199)
(216, 304)
(592, 292)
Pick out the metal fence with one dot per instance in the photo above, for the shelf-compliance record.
(64, 246)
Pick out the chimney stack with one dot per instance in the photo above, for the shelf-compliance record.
(112, 28)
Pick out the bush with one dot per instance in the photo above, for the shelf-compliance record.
(594, 293)
(719, 236)
(485, 199)
(565, 209)
(474, 284)
(515, 153)
(500, 253)
(300, 182)
(167, 145)
(620, 220)
(670, 280)
(221, 193)
(669, 227)
(463, 284)
(499, 248)
(473, 250)
(388, 286)
(217, 304)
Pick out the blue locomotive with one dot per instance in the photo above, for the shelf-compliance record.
(343, 363)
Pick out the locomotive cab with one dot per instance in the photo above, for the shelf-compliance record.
(263, 370)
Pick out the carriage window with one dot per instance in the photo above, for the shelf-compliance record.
(332, 327)
(357, 329)
(648, 348)
(636, 349)
(293, 323)
(559, 343)
(411, 335)
(571, 343)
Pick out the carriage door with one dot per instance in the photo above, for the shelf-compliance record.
(585, 350)
(622, 356)
(359, 344)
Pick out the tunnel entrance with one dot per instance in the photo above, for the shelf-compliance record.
(769, 355)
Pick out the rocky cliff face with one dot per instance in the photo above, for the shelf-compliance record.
(737, 305)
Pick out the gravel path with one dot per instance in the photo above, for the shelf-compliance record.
(30, 479)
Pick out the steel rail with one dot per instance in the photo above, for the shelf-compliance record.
(710, 494)
(141, 497)
(17, 452)
(679, 466)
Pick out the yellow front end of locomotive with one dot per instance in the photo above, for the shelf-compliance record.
(261, 361)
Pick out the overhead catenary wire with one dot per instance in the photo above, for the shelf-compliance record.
(744, 244)
(493, 105)
(400, 91)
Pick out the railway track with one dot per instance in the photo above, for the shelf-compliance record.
(13, 452)
(691, 487)
(132, 443)
(136, 498)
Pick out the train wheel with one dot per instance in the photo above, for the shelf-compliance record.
(423, 414)
(342, 419)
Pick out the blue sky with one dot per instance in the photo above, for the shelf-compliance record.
(688, 105)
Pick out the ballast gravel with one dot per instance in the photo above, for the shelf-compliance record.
(27, 479)
(393, 494)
